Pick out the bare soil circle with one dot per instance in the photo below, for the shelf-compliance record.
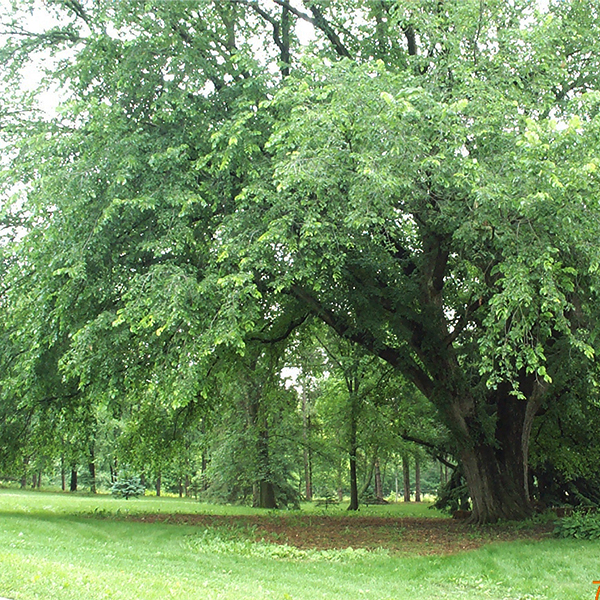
(411, 535)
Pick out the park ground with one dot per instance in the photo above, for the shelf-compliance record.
(61, 546)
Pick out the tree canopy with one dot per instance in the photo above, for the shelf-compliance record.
(421, 176)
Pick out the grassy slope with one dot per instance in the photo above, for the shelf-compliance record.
(49, 551)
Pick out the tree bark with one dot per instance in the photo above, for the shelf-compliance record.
(353, 480)
(92, 470)
(406, 478)
(308, 493)
(353, 451)
(417, 479)
(496, 468)
(203, 468)
(158, 485)
(378, 482)
(73, 483)
(339, 485)
(267, 495)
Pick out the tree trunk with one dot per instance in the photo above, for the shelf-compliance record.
(267, 495)
(63, 474)
(73, 484)
(158, 484)
(203, 467)
(417, 479)
(256, 418)
(114, 471)
(92, 469)
(378, 482)
(406, 477)
(368, 477)
(340, 487)
(496, 469)
(307, 453)
(353, 444)
(353, 480)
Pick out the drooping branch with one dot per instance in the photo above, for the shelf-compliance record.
(280, 331)
(399, 360)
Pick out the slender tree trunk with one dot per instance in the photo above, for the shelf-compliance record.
(24, 474)
(353, 442)
(73, 484)
(308, 493)
(158, 484)
(406, 474)
(92, 470)
(353, 480)
(33, 480)
(378, 482)
(203, 467)
(39, 480)
(417, 479)
(369, 477)
(63, 474)
(114, 471)
(340, 487)
(397, 494)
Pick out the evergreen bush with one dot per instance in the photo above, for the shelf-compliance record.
(126, 488)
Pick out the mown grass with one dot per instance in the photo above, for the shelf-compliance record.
(16, 500)
(51, 548)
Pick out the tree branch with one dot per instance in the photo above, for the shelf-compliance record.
(292, 325)
(392, 356)
(435, 451)
(318, 21)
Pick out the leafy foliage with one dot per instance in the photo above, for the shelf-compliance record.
(581, 526)
(422, 179)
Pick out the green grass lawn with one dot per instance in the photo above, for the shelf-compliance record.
(51, 546)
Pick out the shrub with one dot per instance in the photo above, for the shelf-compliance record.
(580, 526)
(126, 488)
